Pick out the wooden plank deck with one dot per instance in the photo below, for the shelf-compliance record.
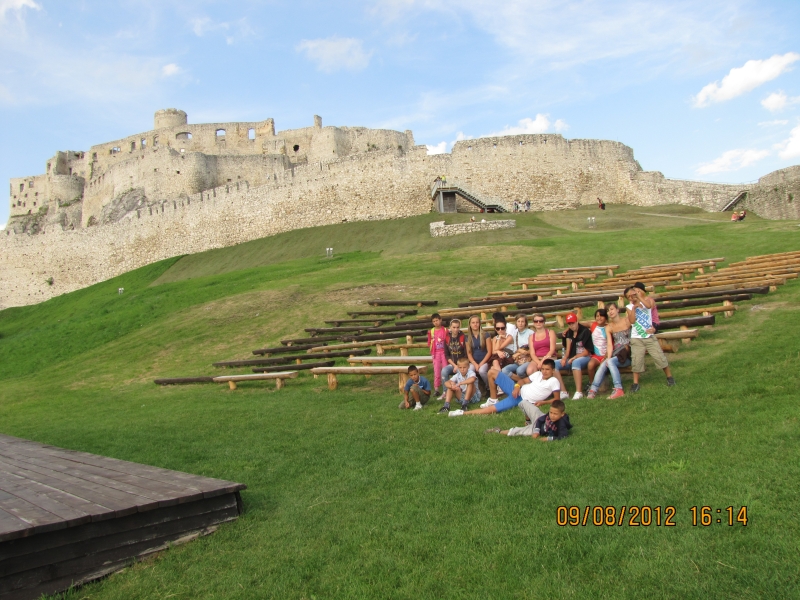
(68, 517)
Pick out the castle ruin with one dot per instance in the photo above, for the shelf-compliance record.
(183, 188)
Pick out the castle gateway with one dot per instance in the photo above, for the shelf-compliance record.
(183, 188)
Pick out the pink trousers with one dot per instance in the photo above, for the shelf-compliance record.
(439, 363)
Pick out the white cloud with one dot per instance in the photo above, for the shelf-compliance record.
(773, 123)
(170, 70)
(732, 160)
(541, 124)
(439, 148)
(777, 101)
(791, 147)
(573, 32)
(335, 53)
(741, 80)
(232, 30)
(16, 5)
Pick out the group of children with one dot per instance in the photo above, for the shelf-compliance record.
(523, 363)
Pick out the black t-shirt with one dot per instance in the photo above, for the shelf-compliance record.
(562, 427)
(455, 348)
(582, 337)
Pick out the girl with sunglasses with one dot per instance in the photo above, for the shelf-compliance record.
(543, 347)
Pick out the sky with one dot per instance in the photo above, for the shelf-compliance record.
(707, 91)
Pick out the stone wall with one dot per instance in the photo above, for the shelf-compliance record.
(775, 196)
(439, 229)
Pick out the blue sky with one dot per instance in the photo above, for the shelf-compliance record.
(700, 90)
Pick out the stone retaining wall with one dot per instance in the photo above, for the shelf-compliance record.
(439, 229)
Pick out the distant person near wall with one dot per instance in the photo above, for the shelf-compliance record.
(742, 215)
(600, 204)
(734, 217)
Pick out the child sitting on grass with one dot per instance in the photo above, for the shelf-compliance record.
(463, 385)
(548, 427)
(417, 388)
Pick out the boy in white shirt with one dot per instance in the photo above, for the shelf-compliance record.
(462, 385)
(643, 339)
(528, 393)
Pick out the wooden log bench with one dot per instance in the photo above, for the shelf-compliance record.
(369, 361)
(333, 372)
(702, 301)
(596, 269)
(380, 313)
(543, 291)
(727, 309)
(182, 380)
(404, 348)
(670, 296)
(279, 378)
(284, 349)
(353, 345)
(417, 303)
(251, 362)
(364, 322)
(670, 341)
(317, 341)
(372, 337)
(301, 367)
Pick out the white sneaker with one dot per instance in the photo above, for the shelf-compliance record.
(442, 396)
(564, 395)
(577, 396)
(489, 402)
(455, 413)
(418, 406)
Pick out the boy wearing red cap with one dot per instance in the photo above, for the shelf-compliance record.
(578, 350)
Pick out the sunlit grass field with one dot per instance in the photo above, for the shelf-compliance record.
(348, 497)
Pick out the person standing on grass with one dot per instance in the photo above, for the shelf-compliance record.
(543, 346)
(551, 427)
(455, 348)
(654, 314)
(643, 340)
(479, 348)
(416, 389)
(578, 350)
(436, 344)
(619, 357)
(463, 386)
(529, 393)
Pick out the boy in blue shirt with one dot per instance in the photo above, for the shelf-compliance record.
(417, 388)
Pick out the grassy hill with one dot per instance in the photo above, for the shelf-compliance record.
(349, 497)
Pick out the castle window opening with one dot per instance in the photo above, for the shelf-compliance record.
(155, 170)
(183, 150)
(251, 134)
(220, 133)
(70, 170)
(34, 203)
(114, 150)
(155, 141)
(143, 143)
(296, 147)
(48, 167)
(133, 146)
(21, 187)
(30, 184)
(94, 155)
(184, 135)
(178, 172)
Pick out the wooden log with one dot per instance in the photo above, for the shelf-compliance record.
(390, 360)
(379, 313)
(284, 349)
(669, 296)
(332, 373)
(349, 329)
(381, 336)
(733, 283)
(365, 322)
(686, 322)
(182, 380)
(698, 311)
(703, 301)
(704, 261)
(324, 350)
(595, 268)
(289, 359)
(403, 302)
(302, 367)
(317, 341)
(279, 377)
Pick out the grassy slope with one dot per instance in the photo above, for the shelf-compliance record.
(349, 497)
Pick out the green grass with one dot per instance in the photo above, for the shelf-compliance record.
(349, 497)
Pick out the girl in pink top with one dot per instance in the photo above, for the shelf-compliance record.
(543, 346)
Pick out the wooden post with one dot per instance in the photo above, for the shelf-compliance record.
(560, 320)
(403, 351)
(409, 339)
(232, 385)
(524, 286)
(574, 285)
(558, 292)
(579, 311)
(728, 313)
(378, 349)
(621, 301)
(685, 340)
(402, 381)
(332, 381)
(298, 361)
(278, 383)
(600, 304)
